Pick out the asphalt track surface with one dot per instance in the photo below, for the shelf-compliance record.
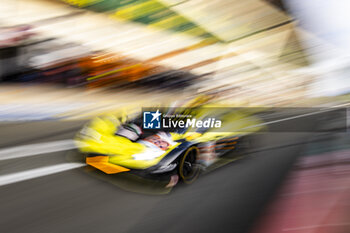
(227, 199)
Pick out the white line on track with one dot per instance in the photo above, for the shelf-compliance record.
(37, 172)
(329, 109)
(36, 149)
(63, 145)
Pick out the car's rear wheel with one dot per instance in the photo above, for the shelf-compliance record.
(188, 167)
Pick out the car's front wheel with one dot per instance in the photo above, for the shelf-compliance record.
(188, 167)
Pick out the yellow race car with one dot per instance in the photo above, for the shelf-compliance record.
(178, 150)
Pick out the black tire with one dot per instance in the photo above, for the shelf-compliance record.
(188, 168)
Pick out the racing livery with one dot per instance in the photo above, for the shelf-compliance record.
(117, 143)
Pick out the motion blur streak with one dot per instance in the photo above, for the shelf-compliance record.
(314, 197)
(328, 47)
(36, 149)
(38, 172)
(274, 72)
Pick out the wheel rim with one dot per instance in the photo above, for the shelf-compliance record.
(189, 169)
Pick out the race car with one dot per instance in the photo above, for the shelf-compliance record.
(117, 143)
